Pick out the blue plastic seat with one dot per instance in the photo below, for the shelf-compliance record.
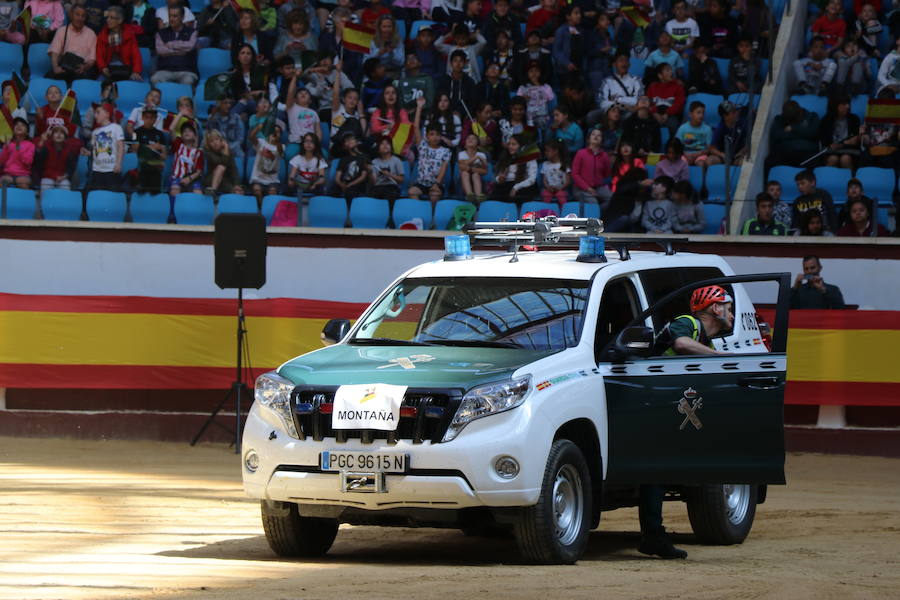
(171, 92)
(104, 205)
(147, 64)
(129, 162)
(695, 176)
(38, 59)
(833, 180)
(443, 212)
(812, 103)
(651, 169)
(87, 91)
(406, 209)
(369, 213)
(201, 105)
(538, 205)
(743, 99)
(81, 173)
(194, 209)
(327, 211)
(37, 89)
(495, 210)
(784, 175)
(590, 210)
(270, 202)
(663, 138)
(715, 182)
(878, 183)
(722, 65)
(212, 61)
(710, 101)
(19, 203)
(636, 67)
(149, 208)
(61, 205)
(10, 57)
(714, 213)
(417, 25)
(858, 106)
(237, 203)
(131, 94)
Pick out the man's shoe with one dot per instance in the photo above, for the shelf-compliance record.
(661, 546)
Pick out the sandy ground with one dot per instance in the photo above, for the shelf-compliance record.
(98, 520)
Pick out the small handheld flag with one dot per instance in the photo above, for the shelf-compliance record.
(635, 15)
(527, 153)
(17, 89)
(240, 5)
(883, 111)
(68, 107)
(25, 18)
(6, 124)
(401, 135)
(357, 38)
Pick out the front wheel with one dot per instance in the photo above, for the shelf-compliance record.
(555, 530)
(289, 534)
(722, 514)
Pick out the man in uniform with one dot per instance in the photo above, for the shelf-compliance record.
(711, 314)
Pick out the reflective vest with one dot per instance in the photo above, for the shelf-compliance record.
(695, 333)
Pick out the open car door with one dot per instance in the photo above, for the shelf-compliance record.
(698, 419)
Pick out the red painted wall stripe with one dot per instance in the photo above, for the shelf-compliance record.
(127, 377)
(842, 393)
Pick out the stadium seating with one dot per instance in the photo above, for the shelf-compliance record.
(815, 104)
(443, 212)
(833, 180)
(61, 205)
(270, 202)
(37, 90)
(369, 213)
(212, 61)
(416, 25)
(858, 106)
(714, 213)
(149, 208)
(716, 182)
(194, 209)
(201, 105)
(131, 94)
(711, 102)
(104, 205)
(87, 91)
(81, 173)
(171, 92)
(878, 184)
(537, 205)
(237, 203)
(38, 59)
(20, 204)
(695, 175)
(495, 210)
(785, 176)
(326, 211)
(10, 57)
(147, 63)
(406, 209)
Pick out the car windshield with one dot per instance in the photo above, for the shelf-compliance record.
(536, 314)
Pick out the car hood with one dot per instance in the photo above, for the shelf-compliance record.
(413, 366)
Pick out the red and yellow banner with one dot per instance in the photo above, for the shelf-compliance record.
(357, 38)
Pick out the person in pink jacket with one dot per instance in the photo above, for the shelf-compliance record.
(591, 170)
(17, 157)
(46, 17)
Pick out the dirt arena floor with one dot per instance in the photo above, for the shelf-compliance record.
(98, 520)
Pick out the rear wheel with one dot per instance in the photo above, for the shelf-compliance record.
(722, 514)
(289, 534)
(555, 530)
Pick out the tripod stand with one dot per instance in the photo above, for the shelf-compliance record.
(238, 387)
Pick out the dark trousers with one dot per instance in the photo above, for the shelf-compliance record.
(501, 191)
(106, 181)
(650, 508)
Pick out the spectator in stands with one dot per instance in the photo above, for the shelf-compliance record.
(861, 223)
(599, 50)
(217, 24)
(889, 72)
(374, 83)
(689, 216)
(865, 31)
(279, 81)
(118, 56)
(764, 222)
(228, 125)
(187, 162)
(494, 90)
(387, 46)
(248, 81)
(162, 14)
(308, 168)
(462, 40)
(151, 102)
(323, 81)
(563, 130)
(176, 49)
(703, 73)
(96, 10)
(447, 122)
(410, 10)
(414, 84)
(9, 11)
(793, 136)
(610, 124)
(151, 152)
(815, 72)
(813, 198)
(853, 73)
(695, 135)
(682, 27)
(473, 167)
(621, 87)
(221, 171)
(729, 140)
(46, 17)
(782, 211)
(446, 11)
(434, 160)
(429, 57)
(48, 116)
(472, 16)
(625, 162)
(839, 133)
(73, 49)
(458, 86)
(755, 17)
(665, 54)
(576, 96)
(501, 20)
(249, 33)
(658, 213)
(556, 174)
(296, 39)
(591, 171)
(55, 160)
(569, 42)
(107, 150)
(831, 26)
(532, 52)
(854, 192)
(811, 291)
(517, 121)
(388, 113)
(108, 95)
(265, 177)
(538, 95)
(743, 67)
(17, 157)
(515, 176)
(544, 18)
(485, 128)
(504, 55)
(673, 164)
(718, 29)
(641, 130)
(667, 98)
(812, 224)
(626, 205)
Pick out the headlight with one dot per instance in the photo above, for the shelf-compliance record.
(487, 400)
(273, 392)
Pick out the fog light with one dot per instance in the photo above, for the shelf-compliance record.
(507, 467)
(251, 461)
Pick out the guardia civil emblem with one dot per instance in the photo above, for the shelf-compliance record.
(688, 406)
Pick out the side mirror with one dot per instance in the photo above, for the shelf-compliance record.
(334, 331)
(634, 341)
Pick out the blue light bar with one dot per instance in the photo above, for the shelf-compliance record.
(457, 247)
(591, 249)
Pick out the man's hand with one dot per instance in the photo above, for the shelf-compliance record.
(818, 283)
(798, 280)
(136, 77)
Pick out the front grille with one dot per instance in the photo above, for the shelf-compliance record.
(425, 415)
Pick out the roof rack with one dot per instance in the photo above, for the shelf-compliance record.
(558, 232)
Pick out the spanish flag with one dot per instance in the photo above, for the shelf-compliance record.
(527, 153)
(17, 91)
(357, 38)
(400, 135)
(25, 18)
(6, 124)
(634, 14)
(68, 107)
(240, 5)
(883, 111)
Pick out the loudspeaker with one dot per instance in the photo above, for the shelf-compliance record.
(240, 250)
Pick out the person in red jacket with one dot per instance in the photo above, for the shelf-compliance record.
(118, 56)
(49, 116)
(55, 159)
(667, 96)
(17, 157)
(591, 170)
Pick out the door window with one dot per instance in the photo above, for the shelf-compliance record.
(618, 306)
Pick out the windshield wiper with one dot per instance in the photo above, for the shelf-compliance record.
(484, 343)
(383, 341)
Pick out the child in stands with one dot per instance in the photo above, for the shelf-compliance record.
(151, 153)
(555, 174)
(764, 222)
(695, 135)
(17, 157)
(815, 72)
(352, 170)
(265, 177)
(446, 120)
(308, 168)
(222, 175)
(563, 130)
(831, 26)
(473, 166)
(516, 175)
(673, 164)
(517, 120)
(135, 117)
(261, 121)
(434, 160)
(387, 172)
(689, 217)
(49, 115)
(301, 119)
(538, 96)
(107, 150)
(658, 213)
(187, 162)
(782, 209)
(56, 160)
(230, 125)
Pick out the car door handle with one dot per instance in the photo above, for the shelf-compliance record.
(760, 382)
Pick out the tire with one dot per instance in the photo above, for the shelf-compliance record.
(722, 514)
(555, 530)
(289, 534)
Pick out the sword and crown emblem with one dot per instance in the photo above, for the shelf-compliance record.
(690, 403)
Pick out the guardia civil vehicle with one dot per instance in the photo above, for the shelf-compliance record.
(522, 390)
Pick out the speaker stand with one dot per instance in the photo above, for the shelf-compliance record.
(238, 387)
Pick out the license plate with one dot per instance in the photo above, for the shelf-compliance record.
(376, 462)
